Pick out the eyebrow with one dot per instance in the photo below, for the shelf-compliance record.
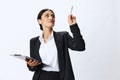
(50, 14)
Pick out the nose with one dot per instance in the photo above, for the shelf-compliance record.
(50, 17)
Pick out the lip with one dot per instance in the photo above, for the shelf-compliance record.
(51, 21)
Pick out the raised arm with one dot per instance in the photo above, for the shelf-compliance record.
(76, 42)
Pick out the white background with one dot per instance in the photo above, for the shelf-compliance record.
(97, 19)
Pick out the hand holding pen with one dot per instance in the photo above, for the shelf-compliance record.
(71, 18)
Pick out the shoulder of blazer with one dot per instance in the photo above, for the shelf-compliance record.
(61, 33)
(34, 38)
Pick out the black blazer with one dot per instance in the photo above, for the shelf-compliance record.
(63, 41)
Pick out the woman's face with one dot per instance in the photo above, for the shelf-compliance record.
(47, 19)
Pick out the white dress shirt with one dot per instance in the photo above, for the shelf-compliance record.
(48, 53)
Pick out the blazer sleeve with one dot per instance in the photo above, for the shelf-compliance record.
(32, 45)
(76, 42)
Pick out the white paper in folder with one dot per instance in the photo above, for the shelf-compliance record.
(22, 57)
(19, 56)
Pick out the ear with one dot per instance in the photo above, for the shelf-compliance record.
(39, 21)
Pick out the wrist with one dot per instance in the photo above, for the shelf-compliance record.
(72, 24)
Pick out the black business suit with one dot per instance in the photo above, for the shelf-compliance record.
(63, 41)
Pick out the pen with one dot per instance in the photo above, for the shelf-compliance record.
(71, 10)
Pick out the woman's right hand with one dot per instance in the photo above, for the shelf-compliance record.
(32, 62)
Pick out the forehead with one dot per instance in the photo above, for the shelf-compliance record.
(48, 12)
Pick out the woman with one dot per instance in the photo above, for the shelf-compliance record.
(51, 49)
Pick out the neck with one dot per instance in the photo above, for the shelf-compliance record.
(46, 34)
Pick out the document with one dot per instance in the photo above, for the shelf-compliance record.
(22, 57)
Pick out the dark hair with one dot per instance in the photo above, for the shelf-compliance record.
(41, 13)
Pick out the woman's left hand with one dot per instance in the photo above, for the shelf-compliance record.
(71, 19)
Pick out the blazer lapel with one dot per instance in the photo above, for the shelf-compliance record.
(36, 50)
(58, 42)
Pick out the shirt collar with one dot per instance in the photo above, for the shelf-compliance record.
(41, 36)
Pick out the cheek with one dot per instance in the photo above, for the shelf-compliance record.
(43, 21)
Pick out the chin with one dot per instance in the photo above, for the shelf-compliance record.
(51, 26)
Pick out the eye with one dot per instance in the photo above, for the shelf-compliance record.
(47, 15)
(53, 16)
